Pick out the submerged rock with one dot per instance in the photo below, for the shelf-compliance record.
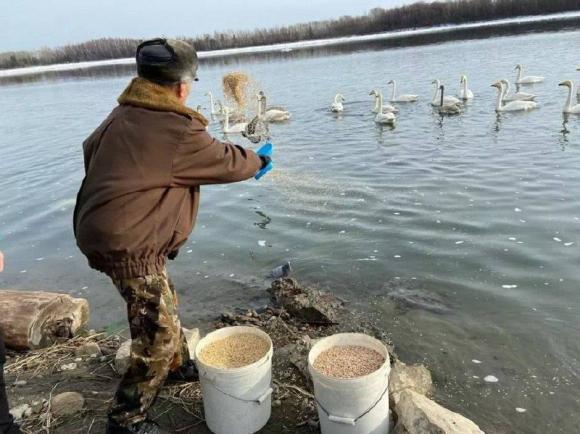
(417, 414)
(418, 299)
(308, 305)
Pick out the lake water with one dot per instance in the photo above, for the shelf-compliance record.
(478, 215)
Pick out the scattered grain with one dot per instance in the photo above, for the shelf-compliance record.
(348, 361)
(235, 351)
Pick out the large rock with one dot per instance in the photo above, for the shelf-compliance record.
(90, 349)
(66, 404)
(417, 414)
(413, 377)
(123, 356)
(309, 305)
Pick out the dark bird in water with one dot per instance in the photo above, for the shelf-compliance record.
(256, 130)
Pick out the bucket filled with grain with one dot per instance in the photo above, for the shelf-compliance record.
(235, 374)
(350, 372)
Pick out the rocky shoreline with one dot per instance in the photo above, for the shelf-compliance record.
(67, 388)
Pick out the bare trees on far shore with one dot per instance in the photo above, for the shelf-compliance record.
(378, 20)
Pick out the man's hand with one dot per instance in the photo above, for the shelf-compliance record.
(265, 154)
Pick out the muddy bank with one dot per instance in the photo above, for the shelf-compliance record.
(294, 320)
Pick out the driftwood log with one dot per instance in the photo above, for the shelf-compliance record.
(38, 319)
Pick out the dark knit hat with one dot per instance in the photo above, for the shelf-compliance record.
(166, 61)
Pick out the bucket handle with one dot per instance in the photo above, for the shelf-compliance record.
(259, 400)
(352, 420)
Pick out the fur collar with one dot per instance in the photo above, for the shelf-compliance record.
(146, 94)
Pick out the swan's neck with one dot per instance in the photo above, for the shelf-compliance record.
(377, 106)
(465, 87)
(380, 103)
(227, 120)
(264, 105)
(507, 88)
(500, 97)
(211, 104)
(336, 99)
(394, 90)
(568, 105)
(520, 73)
(435, 99)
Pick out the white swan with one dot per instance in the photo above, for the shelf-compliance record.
(401, 98)
(518, 96)
(448, 100)
(336, 106)
(578, 94)
(379, 107)
(530, 79)
(271, 114)
(513, 106)
(212, 105)
(236, 128)
(384, 117)
(447, 108)
(568, 107)
(464, 92)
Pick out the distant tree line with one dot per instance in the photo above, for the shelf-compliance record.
(378, 20)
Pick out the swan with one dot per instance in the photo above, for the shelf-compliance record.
(518, 96)
(447, 109)
(513, 106)
(336, 106)
(236, 128)
(212, 105)
(568, 107)
(384, 117)
(464, 92)
(578, 94)
(379, 107)
(448, 100)
(271, 114)
(401, 98)
(530, 79)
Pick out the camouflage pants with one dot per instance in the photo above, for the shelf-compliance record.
(158, 345)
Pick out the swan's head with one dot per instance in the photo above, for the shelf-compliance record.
(504, 81)
(578, 69)
(208, 94)
(437, 83)
(567, 83)
(463, 78)
(373, 93)
(391, 82)
(518, 67)
(498, 84)
(198, 109)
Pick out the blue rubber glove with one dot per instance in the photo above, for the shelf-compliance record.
(265, 151)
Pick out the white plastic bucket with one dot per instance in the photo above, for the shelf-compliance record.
(238, 400)
(352, 405)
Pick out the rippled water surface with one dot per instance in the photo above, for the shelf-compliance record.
(459, 235)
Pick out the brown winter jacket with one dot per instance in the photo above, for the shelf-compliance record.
(144, 166)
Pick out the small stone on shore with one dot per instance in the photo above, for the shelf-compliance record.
(66, 404)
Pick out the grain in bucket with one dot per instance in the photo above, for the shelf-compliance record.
(350, 372)
(235, 374)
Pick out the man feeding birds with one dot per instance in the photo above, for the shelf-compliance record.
(137, 205)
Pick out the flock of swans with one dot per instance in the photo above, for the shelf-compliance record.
(453, 105)
(386, 113)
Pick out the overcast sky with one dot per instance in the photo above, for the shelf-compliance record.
(32, 24)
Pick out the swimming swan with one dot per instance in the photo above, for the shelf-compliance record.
(401, 98)
(212, 106)
(386, 117)
(513, 106)
(464, 92)
(447, 109)
(379, 107)
(236, 128)
(568, 107)
(336, 106)
(271, 114)
(530, 79)
(448, 100)
(518, 96)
